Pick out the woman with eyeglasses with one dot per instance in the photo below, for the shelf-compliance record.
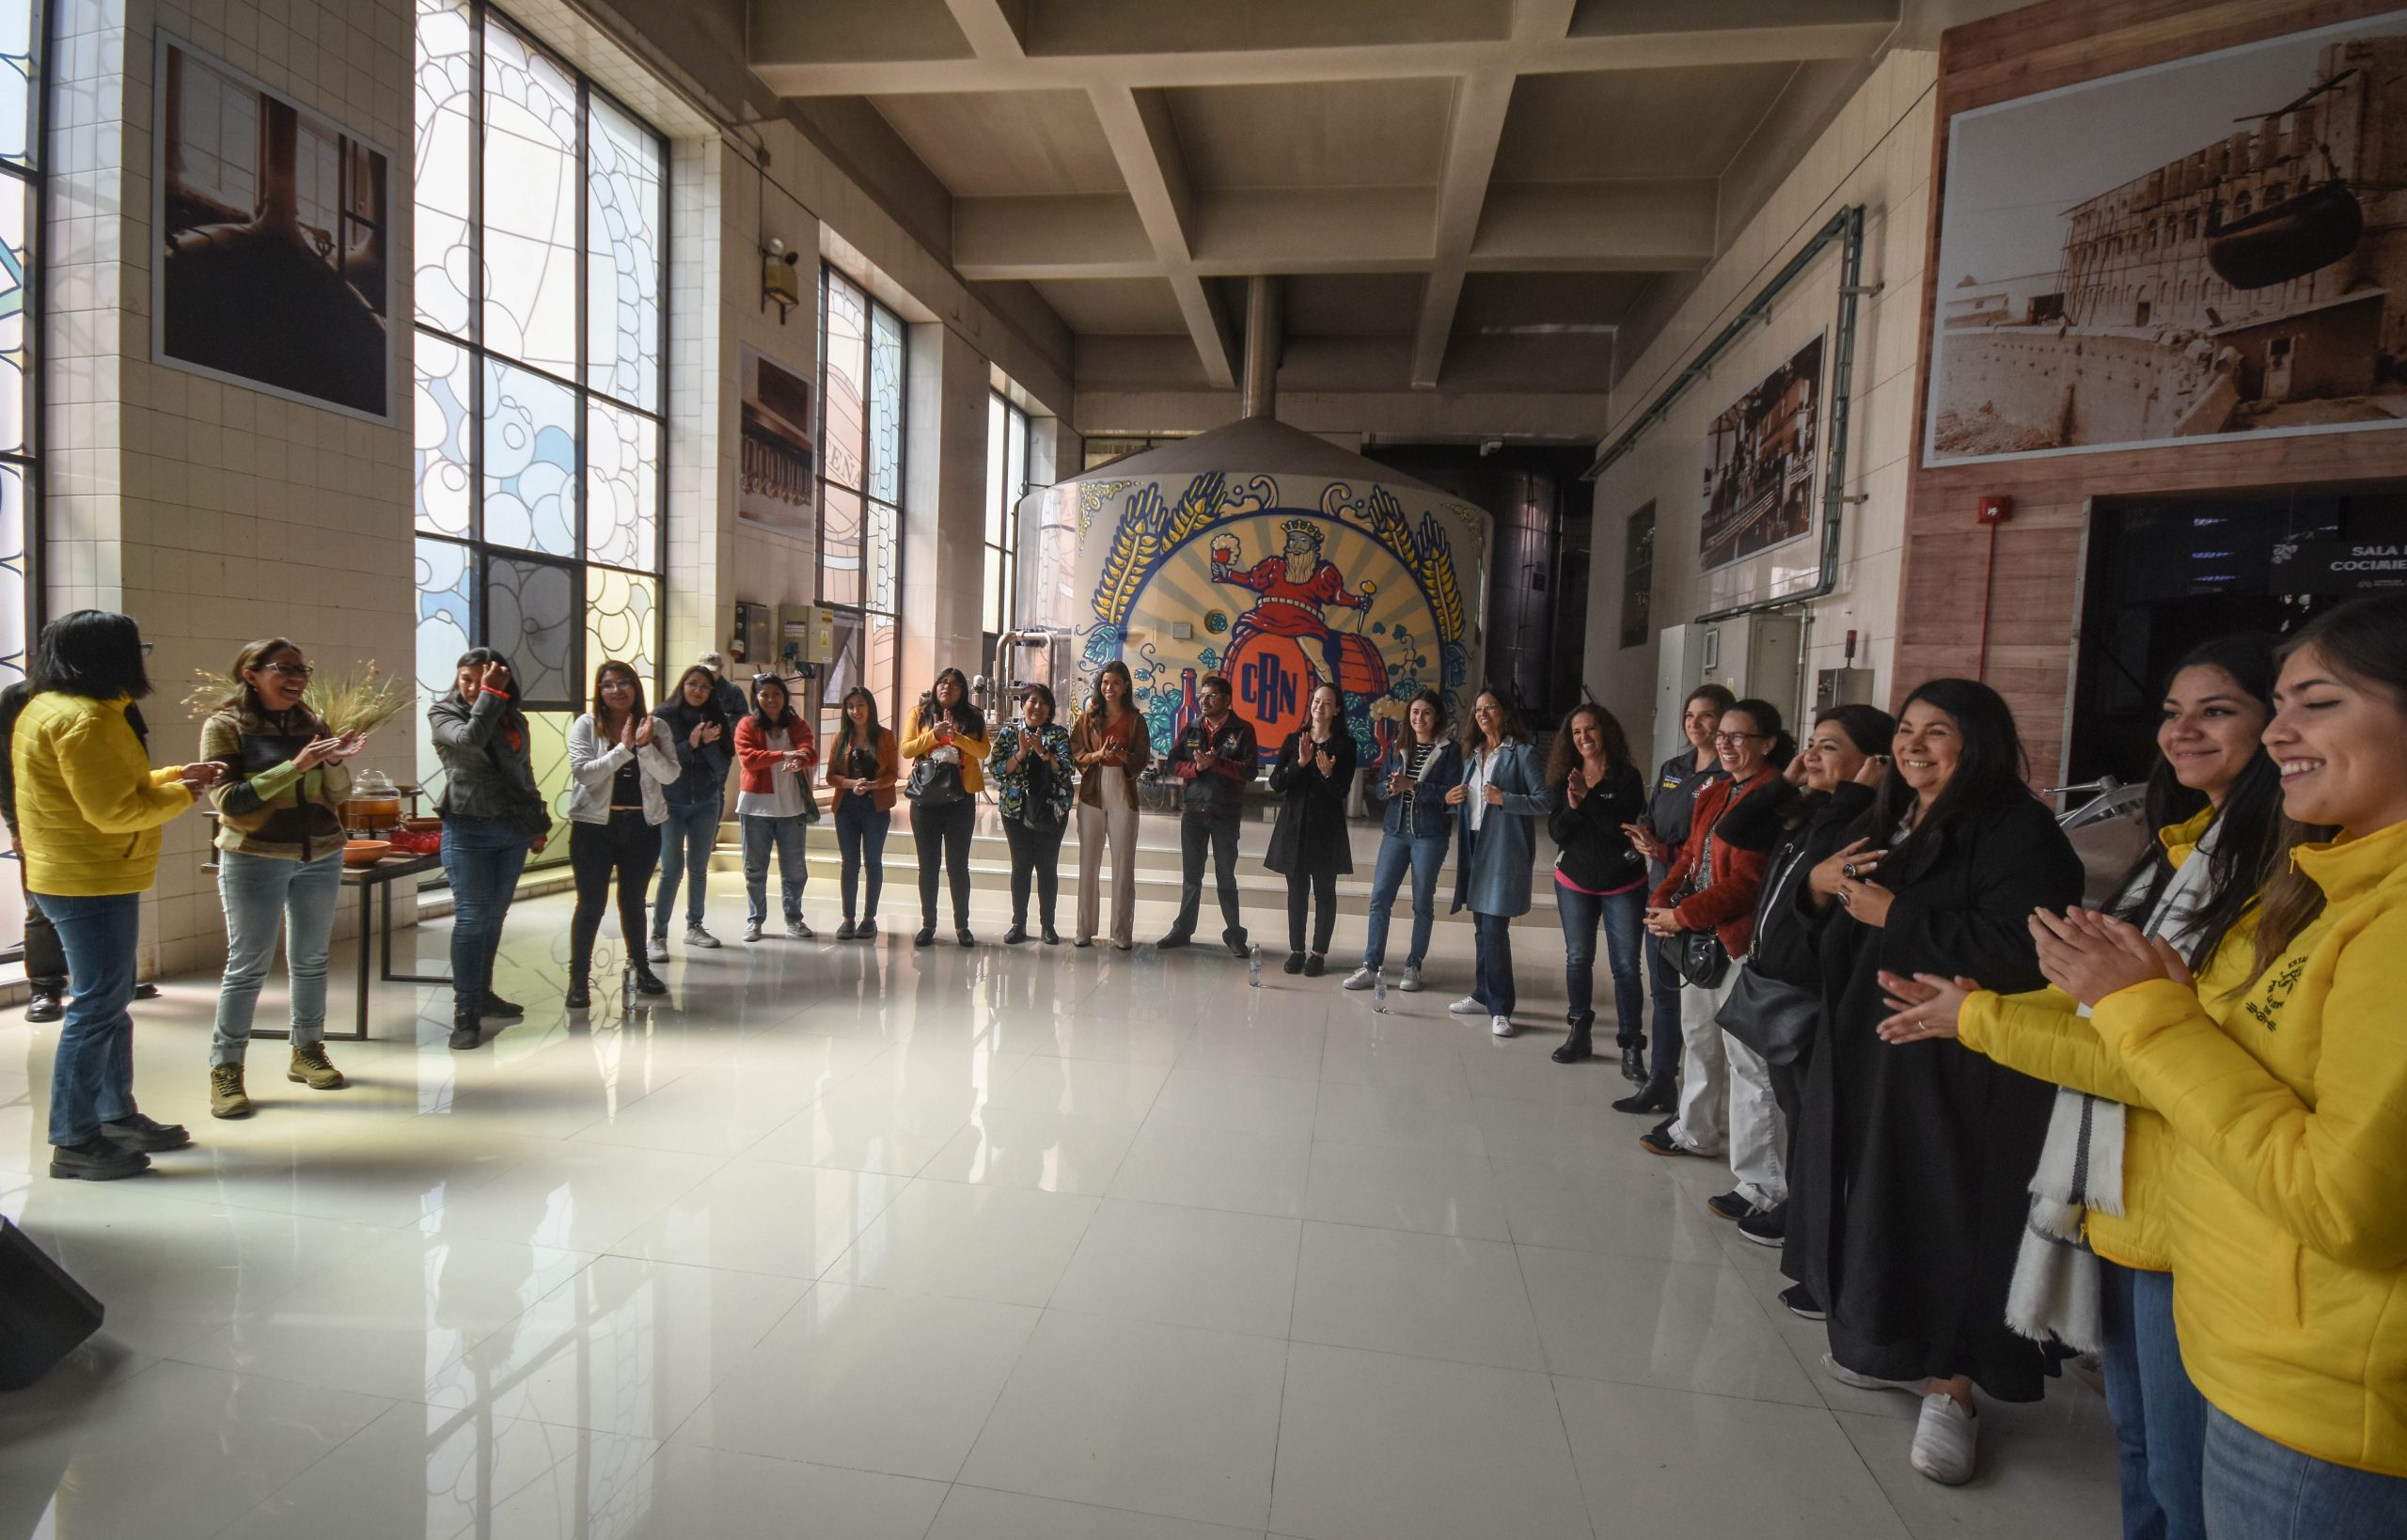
(1031, 766)
(1670, 805)
(1705, 908)
(1497, 806)
(694, 721)
(861, 767)
(618, 764)
(950, 734)
(279, 860)
(88, 811)
(494, 815)
(775, 807)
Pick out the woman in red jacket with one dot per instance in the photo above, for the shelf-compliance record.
(774, 804)
(1705, 907)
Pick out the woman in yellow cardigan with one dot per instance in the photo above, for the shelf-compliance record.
(2287, 1099)
(88, 811)
(2095, 1268)
(950, 731)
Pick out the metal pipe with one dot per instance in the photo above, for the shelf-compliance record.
(1262, 324)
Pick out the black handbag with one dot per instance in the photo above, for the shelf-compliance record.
(933, 785)
(1699, 953)
(1775, 1019)
(1037, 809)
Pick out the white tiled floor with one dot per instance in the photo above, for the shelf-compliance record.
(858, 1241)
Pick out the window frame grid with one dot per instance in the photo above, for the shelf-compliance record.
(1018, 434)
(33, 185)
(865, 608)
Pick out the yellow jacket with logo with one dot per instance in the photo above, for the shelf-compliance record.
(2289, 1190)
(89, 804)
(2044, 1035)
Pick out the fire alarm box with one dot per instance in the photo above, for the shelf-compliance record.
(1993, 510)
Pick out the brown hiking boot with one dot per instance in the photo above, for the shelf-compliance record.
(311, 1067)
(226, 1098)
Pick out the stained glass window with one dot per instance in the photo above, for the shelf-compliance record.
(540, 369)
(1007, 431)
(20, 39)
(860, 482)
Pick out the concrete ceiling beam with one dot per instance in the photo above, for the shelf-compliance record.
(1145, 143)
(1541, 226)
(1099, 236)
(1474, 130)
(996, 29)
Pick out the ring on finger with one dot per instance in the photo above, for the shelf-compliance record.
(1847, 869)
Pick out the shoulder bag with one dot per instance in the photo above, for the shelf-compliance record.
(1770, 1016)
(1699, 953)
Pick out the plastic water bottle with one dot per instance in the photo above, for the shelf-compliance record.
(1380, 994)
(1253, 964)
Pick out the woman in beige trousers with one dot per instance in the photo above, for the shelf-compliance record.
(1112, 747)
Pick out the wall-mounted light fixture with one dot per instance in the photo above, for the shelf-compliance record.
(779, 281)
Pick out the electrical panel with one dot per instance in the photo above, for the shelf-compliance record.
(1842, 687)
(1758, 656)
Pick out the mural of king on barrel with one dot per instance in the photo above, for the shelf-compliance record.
(1188, 561)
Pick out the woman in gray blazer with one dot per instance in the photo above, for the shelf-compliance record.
(1497, 805)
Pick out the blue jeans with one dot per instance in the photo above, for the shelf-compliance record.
(2160, 1417)
(1425, 857)
(481, 857)
(860, 842)
(1664, 1000)
(91, 1080)
(263, 896)
(762, 834)
(1621, 915)
(685, 842)
(1492, 948)
(2257, 1489)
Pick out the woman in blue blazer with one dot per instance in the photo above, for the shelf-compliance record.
(1497, 806)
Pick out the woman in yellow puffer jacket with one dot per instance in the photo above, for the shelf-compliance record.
(2287, 1099)
(2096, 1265)
(88, 811)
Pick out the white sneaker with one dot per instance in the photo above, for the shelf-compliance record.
(659, 952)
(1943, 1440)
(1361, 977)
(798, 929)
(1467, 1006)
(697, 936)
(1847, 1376)
(752, 931)
(1411, 982)
(1502, 1027)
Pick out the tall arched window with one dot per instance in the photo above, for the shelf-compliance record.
(21, 161)
(540, 371)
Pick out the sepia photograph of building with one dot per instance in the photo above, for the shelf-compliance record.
(1759, 462)
(2210, 248)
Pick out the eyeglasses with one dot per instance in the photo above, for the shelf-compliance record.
(146, 647)
(290, 671)
(1731, 740)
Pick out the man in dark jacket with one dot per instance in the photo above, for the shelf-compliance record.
(45, 960)
(1216, 758)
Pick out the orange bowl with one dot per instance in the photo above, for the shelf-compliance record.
(364, 852)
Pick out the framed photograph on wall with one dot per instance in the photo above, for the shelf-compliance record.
(273, 263)
(778, 488)
(2198, 251)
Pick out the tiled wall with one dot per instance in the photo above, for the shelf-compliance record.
(212, 513)
(1877, 153)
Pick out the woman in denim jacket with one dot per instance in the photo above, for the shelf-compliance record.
(1414, 781)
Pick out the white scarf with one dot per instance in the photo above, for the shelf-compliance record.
(2055, 1290)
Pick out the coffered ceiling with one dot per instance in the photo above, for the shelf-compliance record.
(1452, 191)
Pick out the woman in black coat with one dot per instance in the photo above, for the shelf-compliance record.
(1309, 843)
(1909, 1203)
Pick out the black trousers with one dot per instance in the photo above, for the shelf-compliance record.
(46, 959)
(942, 834)
(627, 848)
(1036, 854)
(1304, 889)
(1221, 835)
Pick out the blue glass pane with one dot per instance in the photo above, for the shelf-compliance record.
(530, 460)
(446, 621)
(439, 412)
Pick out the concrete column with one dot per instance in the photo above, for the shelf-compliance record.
(944, 497)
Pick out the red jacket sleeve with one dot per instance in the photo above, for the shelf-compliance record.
(752, 751)
(1733, 892)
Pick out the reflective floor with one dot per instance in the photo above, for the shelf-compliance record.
(853, 1240)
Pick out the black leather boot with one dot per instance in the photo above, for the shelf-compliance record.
(1633, 1062)
(1577, 1046)
(646, 981)
(467, 1031)
(579, 996)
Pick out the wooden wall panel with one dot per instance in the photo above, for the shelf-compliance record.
(2031, 611)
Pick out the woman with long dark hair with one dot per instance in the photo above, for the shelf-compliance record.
(1594, 791)
(861, 767)
(694, 721)
(492, 815)
(1111, 746)
(1501, 796)
(1912, 1163)
(88, 811)
(279, 860)
(2097, 1257)
(1309, 844)
(950, 734)
(618, 762)
(774, 805)
(2285, 1091)
(1030, 764)
(1414, 782)
(1705, 907)
(1670, 802)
